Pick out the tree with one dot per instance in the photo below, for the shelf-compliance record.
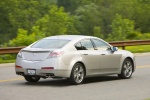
(5, 25)
(71, 5)
(97, 32)
(20, 14)
(56, 22)
(24, 38)
(88, 17)
(121, 28)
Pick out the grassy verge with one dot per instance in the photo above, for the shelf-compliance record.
(139, 49)
(7, 61)
(7, 58)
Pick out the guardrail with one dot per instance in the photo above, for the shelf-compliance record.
(123, 44)
(10, 50)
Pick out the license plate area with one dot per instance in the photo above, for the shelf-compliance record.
(31, 71)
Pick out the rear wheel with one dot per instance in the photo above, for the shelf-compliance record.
(127, 69)
(32, 78)
(77, 74)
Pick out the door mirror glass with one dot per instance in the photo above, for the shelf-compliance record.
(114, 49)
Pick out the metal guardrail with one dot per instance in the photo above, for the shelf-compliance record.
(123, 44)
(10, 50)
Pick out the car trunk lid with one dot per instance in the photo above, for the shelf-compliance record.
(35, 54)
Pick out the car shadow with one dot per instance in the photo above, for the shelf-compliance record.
(100, 79)
(50, 82)
(65, 82)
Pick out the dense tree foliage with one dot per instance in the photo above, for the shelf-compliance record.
(25, 21)
(121, 28)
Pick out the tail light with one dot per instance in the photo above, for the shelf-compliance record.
(18, 66)
(55, 54)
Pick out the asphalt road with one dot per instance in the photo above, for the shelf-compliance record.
(13, 87)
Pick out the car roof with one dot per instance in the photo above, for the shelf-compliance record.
(69, 37)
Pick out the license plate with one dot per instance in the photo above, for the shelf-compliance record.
(31, 71)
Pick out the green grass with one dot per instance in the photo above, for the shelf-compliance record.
(146, 99)
(7, 58)
(138, 49)
(7, 61)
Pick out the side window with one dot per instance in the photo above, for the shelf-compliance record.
(87, 44)
(100, 45)
(78, 46)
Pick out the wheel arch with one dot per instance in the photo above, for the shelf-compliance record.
(131, 61)
(83, 66)
(123, 74)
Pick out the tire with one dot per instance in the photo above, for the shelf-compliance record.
(77, 74)
(32, 78)
(127, 69)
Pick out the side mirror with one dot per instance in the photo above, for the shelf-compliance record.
(114, 49)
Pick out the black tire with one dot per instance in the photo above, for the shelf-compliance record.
(127, 69)
(77, 74)
(32, 78)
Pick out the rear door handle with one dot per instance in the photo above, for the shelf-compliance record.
(85, 54)
(103, 54)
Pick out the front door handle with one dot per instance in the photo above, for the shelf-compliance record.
(85, 54)
(103, 54)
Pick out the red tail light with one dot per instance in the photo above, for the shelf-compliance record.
(18, 66)
(55, 54)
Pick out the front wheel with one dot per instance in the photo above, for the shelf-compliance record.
(127, 69)
(77, 74)
(32, 78)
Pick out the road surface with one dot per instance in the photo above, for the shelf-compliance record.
(13, 87)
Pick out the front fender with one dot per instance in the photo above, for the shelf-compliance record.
(125, 55)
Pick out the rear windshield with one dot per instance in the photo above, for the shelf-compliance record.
(50, 43)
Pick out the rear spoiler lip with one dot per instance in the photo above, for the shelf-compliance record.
(37, 50)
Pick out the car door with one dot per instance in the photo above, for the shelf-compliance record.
(109, 61)
(89, 55)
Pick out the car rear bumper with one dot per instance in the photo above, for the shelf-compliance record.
(53, 68)
(44, 72)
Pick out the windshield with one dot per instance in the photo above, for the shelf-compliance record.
(50, 43)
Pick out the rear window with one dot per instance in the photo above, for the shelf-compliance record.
(50, 43)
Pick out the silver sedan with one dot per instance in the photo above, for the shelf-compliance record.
(73, 57)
